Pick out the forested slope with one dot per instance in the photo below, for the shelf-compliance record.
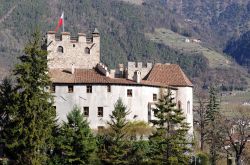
(122, 27)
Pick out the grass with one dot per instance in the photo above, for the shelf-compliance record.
(177, 41)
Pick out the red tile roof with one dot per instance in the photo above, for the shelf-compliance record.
(161, 75)
(91, 76)
(169, 74)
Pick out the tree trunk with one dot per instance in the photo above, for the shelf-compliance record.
(237, 160)
(202, 141)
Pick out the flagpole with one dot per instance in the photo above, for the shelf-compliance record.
(63, 21)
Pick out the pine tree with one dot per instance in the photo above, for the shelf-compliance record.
(7, 100)
(76, 144)
(212, 117)
(114, 147)
(33, 118)
(169, 144)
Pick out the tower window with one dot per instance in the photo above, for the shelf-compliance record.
(188, 107)
(86, 111)
(74, 45)
(129, 93)
(179, 104)
(100, 112)
(154, 97)
(70, 89)
(60, 49)
(87, 50)
(53, 89)
(89, 89)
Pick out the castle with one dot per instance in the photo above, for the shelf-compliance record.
(79, 78)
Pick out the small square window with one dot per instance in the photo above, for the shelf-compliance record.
(86, 111)
(89, 89)
(54, 108)
(100, 112)
(154, 97)
(70, 89)
(53, 89)
(129, 93)
(109, 88)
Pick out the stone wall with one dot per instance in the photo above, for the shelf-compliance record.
(74, 50)
(133, 66)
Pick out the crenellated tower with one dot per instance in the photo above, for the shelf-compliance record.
(64, 51)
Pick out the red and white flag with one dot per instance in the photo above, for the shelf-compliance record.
(60, 22)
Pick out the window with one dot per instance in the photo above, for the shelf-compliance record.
(154, 97)
(108, 88)
(70, 89)
(179, 104)
(86, 111)
(129, 93)
(87, 50)
(53, 89)
(54, 107)
(188, 107)
(60, 49)
(89, 89)
(100, 112)
(74, 45)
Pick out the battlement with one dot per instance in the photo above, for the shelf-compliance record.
(139, 65)
(66, 36)
(64, 50)
(103, 69)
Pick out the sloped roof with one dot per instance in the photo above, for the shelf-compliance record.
(91, 76)
(169, 74)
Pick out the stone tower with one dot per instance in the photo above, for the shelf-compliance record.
(65, 51)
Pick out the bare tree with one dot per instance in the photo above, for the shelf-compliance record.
(200, 118)
(237, 132)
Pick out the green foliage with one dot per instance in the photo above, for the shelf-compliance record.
(114, 147)
(75, 144)
(169, 144)
(7, 110)
(138, 129)
(139, 152)
(212, 119)
(213, 105)
(31, 113)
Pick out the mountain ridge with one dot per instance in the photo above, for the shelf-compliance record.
(122, 26)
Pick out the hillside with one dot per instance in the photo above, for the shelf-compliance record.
(239, 49)
(123, 26)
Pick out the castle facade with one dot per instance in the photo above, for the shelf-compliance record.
(79, 78)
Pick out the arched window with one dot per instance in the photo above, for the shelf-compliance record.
(188, 107)
(60, 49)
(179, 105)
(87, 50)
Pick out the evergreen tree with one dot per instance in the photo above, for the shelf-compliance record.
(75, 143)
(214, 133)
(114, 147)
(7, 100)
(169, 144)
(32, 115)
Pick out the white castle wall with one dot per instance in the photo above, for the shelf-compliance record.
(138, 104)
(73, 51)
(185, 95)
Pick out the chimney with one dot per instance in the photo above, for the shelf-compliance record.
(137, 76)
(72, 69)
